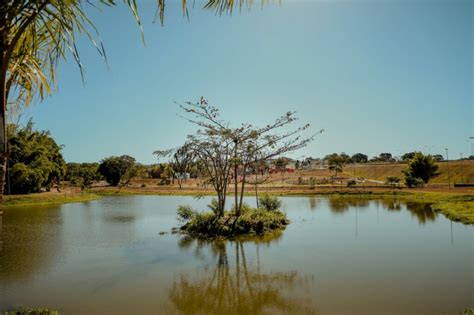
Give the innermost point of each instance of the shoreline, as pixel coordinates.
(456, 205)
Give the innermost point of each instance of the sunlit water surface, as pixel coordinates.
(336, 257)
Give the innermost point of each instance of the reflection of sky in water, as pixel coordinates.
(362, 256)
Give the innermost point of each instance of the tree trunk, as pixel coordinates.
(242, 190)
(3, 133)
(236, 190)
(256, 192)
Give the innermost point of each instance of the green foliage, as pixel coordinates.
(251, 221)
(118, 169)
(359, 158)
(413, 182)
(420, 167)
(351, 183)
(185, 213)
(82, 174)
(392, 181)
(214, 206)
(34, 159)
(269, 203)
(336, 162)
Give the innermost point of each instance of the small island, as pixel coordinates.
(251, 221)
(233, 157)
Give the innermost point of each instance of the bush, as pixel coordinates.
(214, 206)
(414, 182)
(392, 181)
(252, 221)
(269, 203)
(185, 213)
(351, 183)
(421, 166)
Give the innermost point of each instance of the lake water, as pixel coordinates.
(336, 257)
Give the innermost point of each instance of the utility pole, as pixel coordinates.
(472, 145)
(462, 169)
(447, 164)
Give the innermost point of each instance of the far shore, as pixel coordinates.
(455, 203)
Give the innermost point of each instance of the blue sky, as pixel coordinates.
(378, 76)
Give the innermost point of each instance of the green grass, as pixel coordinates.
(45, 199)
(252, 222)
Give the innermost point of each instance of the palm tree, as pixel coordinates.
(36, 34)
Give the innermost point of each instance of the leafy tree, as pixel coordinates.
(34, 158)
(421, 167)
(360, 158)
(386, 157)
(408, 156)
(82, 174)
(118, 169)
(336, 163)
(438, 157)
(345, 157)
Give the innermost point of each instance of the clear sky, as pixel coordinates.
(378, 76)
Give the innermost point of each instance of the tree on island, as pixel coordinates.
(227, 153)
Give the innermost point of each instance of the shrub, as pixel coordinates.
(351, 183)
(421, 166)
(392, 181)
(312, 183)
(414, 182)
(214, 206)
(269, 203)
(185, 213)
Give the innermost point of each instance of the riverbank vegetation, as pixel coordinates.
(46, 199)
(251, 221)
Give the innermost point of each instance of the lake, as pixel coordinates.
(336, 257)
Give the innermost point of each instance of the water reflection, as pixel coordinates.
(29, 238)
(235, 286)
(420, 210)
(341, 205)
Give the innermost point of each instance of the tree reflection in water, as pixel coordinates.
(341, 205)
(422, 211)
(235, 287)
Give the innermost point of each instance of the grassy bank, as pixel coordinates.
(45, 199)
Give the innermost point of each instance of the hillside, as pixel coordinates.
(380, 172)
